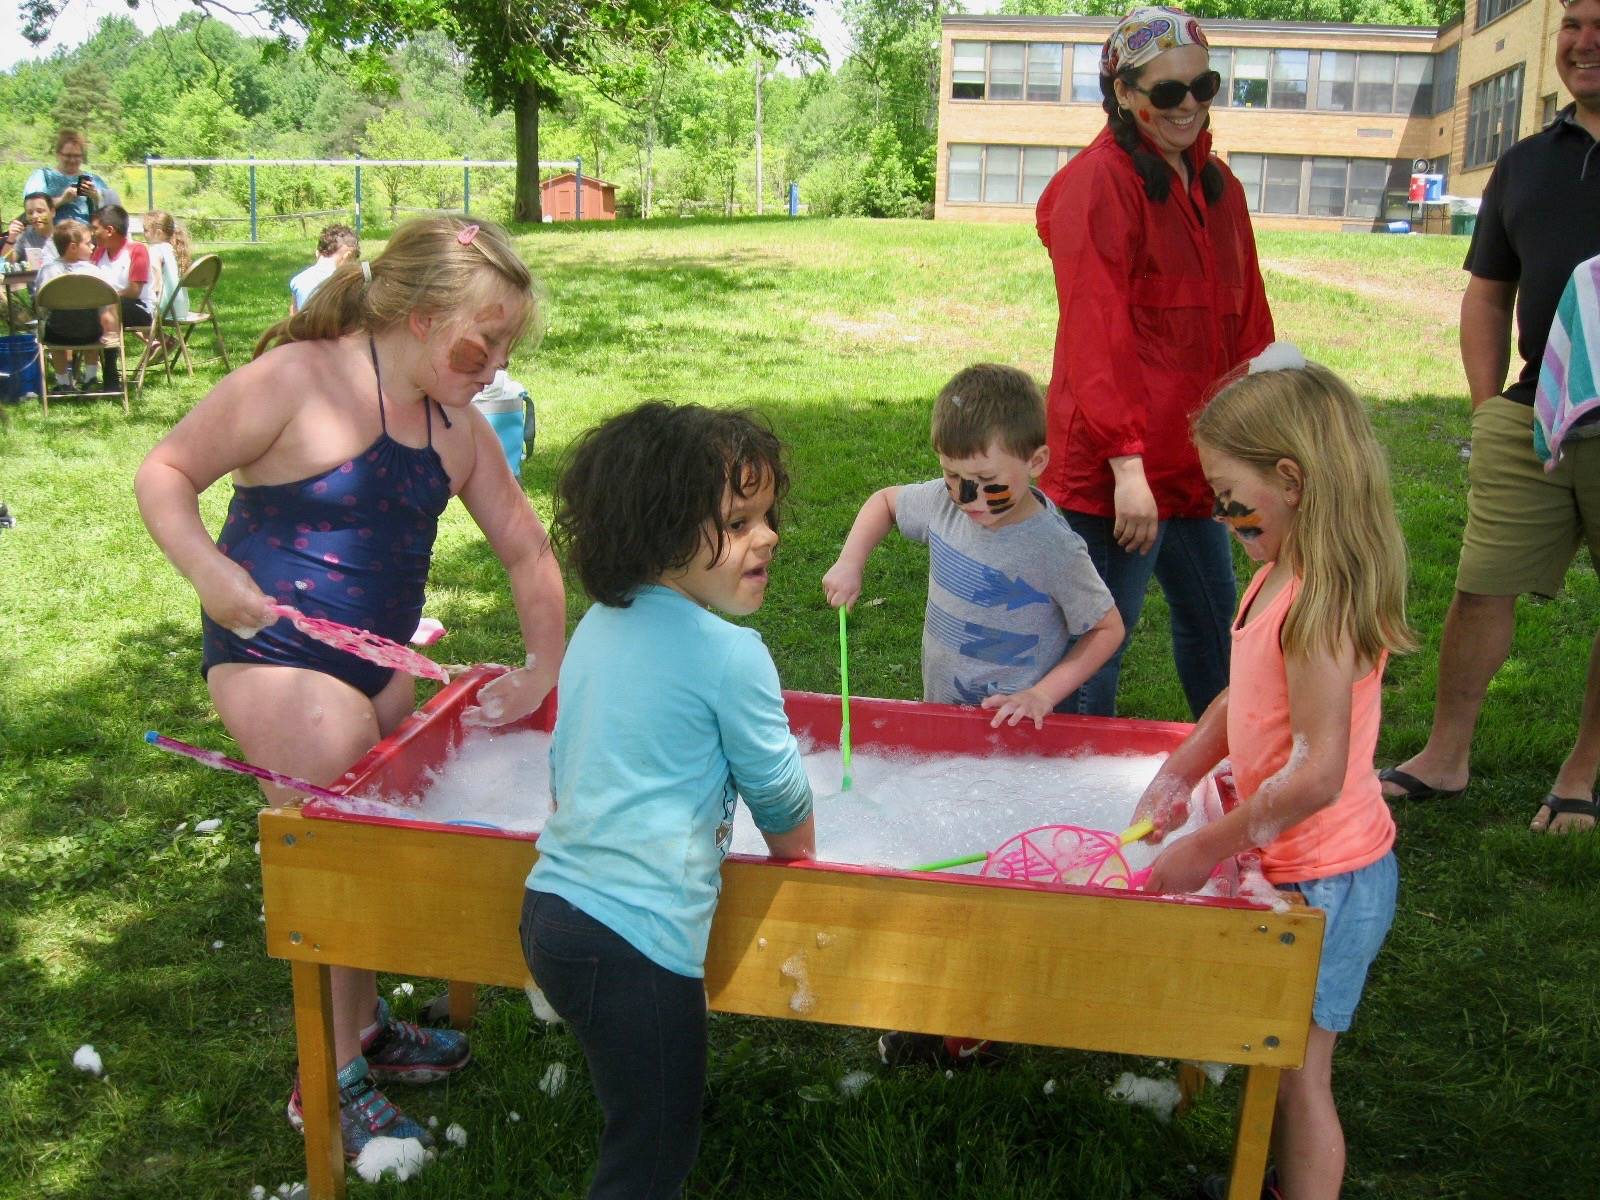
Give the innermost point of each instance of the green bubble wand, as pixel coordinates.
(844, 699)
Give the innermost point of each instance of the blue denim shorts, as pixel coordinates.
(1359, 908)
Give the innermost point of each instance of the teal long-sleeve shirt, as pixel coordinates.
(667, 715)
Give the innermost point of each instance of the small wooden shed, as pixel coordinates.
(559, 195)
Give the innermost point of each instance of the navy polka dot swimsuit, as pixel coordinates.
(352, 545)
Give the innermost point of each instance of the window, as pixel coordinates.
(1493, 107)
(1002, 174)
(1280, 185)
(1222, 64)
(1547, 109)
(1375, 83)
(1493, 10)
(1289, 71)
(1250, 78)
(1413, 85)
(1005, 70)
(1336, 81)
(1039, 164)
(966, 173)
(1444, 80)
(1086, 74)
(1044, 71)
(1328, 179)
(1246, 169)
(1368, 176)
(966, 70)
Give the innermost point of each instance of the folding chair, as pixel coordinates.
(70, 293)
(155, 337)
(201, 281)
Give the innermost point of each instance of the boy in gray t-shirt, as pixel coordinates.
(1017, 618)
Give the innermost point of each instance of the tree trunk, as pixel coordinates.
(650, 165)
(526, 110)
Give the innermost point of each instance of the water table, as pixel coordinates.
(1182, 978)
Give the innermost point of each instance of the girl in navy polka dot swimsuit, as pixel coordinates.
(346, 436)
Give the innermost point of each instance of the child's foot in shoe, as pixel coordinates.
(400, 1052)
(364, 1112)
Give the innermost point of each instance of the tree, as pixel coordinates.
(395, 133)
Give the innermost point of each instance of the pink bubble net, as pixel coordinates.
(364, 644)
(1067, 854)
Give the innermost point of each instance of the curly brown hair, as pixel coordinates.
(640, 494)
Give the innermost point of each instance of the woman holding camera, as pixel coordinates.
(1160, 296)
(75, 193)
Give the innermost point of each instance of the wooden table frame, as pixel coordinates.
(1216, 981)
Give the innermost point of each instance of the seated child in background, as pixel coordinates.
(336, 244)
(1303, 483)
(126, 267)
(28, 238)
(668, 715)
(1017, 618)
(168, 242)
(77, 327)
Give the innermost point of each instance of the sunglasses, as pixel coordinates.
(1169, 93)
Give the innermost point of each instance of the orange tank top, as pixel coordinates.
(1357, 828)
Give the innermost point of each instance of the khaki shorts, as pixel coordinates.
(1525, 524)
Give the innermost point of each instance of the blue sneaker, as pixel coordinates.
(364, 1112)
(400, 1052)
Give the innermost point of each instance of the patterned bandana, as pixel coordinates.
(1146, 33)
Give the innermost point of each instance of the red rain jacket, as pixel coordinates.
(1157, 302)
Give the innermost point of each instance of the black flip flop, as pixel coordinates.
(1561, 807)
(1413, 788)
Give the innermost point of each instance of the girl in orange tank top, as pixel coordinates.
(1301, 481)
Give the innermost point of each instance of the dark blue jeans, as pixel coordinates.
(643, 1033)
(1192, 560)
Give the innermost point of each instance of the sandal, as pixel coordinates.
(1562, 807)
(1412, 788)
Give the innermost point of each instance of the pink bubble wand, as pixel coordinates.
(221, 762)
(363, 643)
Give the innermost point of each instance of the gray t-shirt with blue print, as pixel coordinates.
(1003, 604)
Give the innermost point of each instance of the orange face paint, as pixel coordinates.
(468, 356)
(998, 497)
(1245, 522)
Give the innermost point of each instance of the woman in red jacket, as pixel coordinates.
(1160, 296)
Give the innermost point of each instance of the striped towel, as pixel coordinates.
(1568, 387)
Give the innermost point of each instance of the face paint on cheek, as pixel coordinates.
(1144, 115)
(468, 357)
(1244, 521)
(998, 497)
(962, 491)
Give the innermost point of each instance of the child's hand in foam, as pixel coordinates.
(1027, 704)
(1165, 804)
(842, 584)
(510, 697)
(1182, 867)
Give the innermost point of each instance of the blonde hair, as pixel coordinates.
(66, 233)
(172, 233)
(988, 403)
(432, 266)
(1345, 544)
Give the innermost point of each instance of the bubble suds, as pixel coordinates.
(824, 939)
(804, 999)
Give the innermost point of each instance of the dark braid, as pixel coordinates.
(1153, 170)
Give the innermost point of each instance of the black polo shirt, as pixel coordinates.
(1540, 218)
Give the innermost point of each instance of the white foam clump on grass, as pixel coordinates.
(541, 1007)
(1160, 1096)
(513, 1116)
(386, 1156)
(209, 825)
(555, 1078)
(292, 1191)
(87, 1059)
(404, 989)
(455, 1135)
(852, 1083)
(1049, 1087)
(258, 1193)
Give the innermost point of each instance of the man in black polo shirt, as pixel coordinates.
(1540, 218)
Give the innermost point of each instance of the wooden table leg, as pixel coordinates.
(319, 1080)
(463, 1004)
(1191, 1085)
(1253, 1136)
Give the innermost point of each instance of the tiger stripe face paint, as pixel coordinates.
(998, 497)
(1243, 520)
(993, 489)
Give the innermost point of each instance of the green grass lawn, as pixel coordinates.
(1474, 1066)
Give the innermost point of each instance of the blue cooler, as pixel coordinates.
(506, 404)
(19, 368)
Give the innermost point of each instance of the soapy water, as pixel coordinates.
(904, 809)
